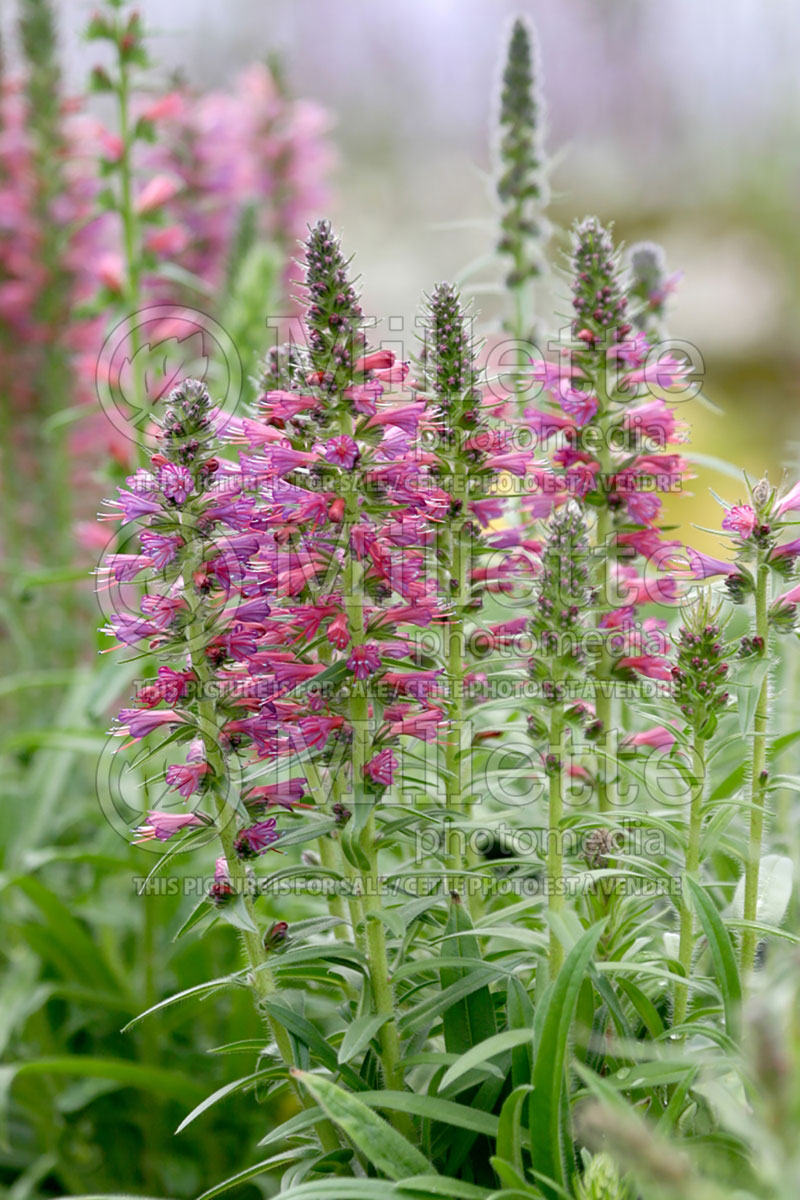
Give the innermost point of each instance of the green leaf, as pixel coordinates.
(199, 989)
(471, 1019)
(748, 694)
(433, 1108)
(484, 1050)
(359, 1035)
(723, 954)
(441, 1185)
(509, 1133)
(381, 1145)
(548, 1135)
(235, 1086)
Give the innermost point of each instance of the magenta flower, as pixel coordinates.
(790, 502)
(342, 452)
(364, 660)
(186, 777)
(141, 722)
(741, 519)
(790, 597)
(382, 767)
(787, 550)
(648, 665)
(162, 825)
(703, 566)
(658, 737)
(175, 482)
(256, 839)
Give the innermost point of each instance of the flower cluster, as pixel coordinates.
(700, 672)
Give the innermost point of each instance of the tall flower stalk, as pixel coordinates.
(699, 679)
(564, 597)
(197, 620)
(521, 189)
(612, 427)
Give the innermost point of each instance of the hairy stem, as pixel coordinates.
(686, 942)
(359, 720)
(758, 791)
(555, 855)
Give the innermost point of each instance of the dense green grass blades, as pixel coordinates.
(381, 1145)
(545, 1108)
(723, 954)
(471, 1019)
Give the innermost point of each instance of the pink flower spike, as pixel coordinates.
(740, 519)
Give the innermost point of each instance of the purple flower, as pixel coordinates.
(255, 839)
(162, 825)
(342, 451)
(139, 722)
(175, 482)
(382, 767)
(703, 566)
(161, 547)
(364, 660)
(185, 777)
(740, 519)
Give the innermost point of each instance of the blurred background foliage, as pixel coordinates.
(680, 122)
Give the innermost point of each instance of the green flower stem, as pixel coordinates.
(555, 854)
(359, 720)
(758, 790)
(686, 942)
(262, 980)
(455, 756)
(604, 699)
(131, 240)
